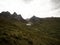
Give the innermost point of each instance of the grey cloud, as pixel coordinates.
(56, 4)
(27, 1)
(56, 1)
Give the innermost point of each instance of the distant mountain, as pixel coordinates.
(35, 19)
(7, 15)
(13, 16)
(17, 17)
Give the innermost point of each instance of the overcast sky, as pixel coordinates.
(28, 8)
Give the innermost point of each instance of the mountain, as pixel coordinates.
(17, 17)
(43, 31)
(34, 19)
(13, 16)
(5, 14)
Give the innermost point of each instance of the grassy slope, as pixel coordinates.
(17, 33)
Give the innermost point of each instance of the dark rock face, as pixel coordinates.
(13, 16)
(5, 14)
(16, 16)
(34, 19)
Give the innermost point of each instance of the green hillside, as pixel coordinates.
(45, 32)
(17, 33)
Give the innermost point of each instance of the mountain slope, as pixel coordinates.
(45, 32)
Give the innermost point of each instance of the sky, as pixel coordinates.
(28, 8)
